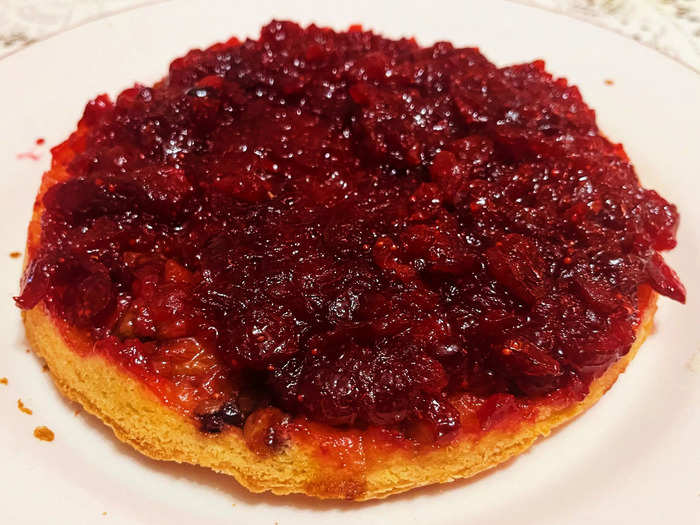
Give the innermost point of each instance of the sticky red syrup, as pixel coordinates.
(350, 229)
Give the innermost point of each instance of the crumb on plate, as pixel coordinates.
(43, 433)
(23, 408)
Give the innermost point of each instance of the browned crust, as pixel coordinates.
(140, 419)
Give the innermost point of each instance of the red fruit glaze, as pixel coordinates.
(352, 229)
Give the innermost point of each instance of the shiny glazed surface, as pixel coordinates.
(351, 229)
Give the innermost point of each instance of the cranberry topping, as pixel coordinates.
(352, 229)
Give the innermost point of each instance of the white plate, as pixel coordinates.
(633, 458)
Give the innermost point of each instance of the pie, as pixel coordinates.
(342, 265)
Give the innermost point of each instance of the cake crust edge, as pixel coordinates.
(137, 417)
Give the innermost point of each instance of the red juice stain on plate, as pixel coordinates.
(3, 380)
(15, 255)
(28, 155)
(40, 141)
